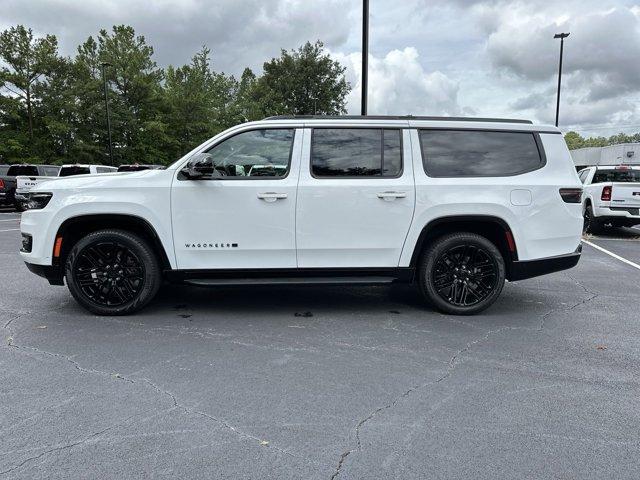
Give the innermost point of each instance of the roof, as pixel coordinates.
(397, 117)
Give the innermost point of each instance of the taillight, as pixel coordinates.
(571, 195)
(606, 193)
(1, 183)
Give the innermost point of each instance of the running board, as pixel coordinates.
(366, 280)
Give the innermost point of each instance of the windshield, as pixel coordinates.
(620, 176)
(75, 170)
(29, 170)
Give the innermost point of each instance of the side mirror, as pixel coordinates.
(200, 166)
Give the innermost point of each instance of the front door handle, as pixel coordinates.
(389, 196)
(271, 196)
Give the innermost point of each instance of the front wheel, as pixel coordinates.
(112, 272)
(462, 273)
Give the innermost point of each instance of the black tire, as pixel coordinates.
(591, 224)
(477, 261)
(112, 272)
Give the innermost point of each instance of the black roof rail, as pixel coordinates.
(396, 117)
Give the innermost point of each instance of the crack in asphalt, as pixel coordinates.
(592, 296)
(453, 362)
(62, 447)
(176, 404)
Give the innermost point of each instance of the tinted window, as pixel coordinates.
(29, 170)
(75, 170)
(621, 176)
(257, 153)
(133, 168)
(356, 152)
(457, 153)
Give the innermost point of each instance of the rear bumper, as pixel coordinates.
(617, 212)
(521, 270)
(52, 273)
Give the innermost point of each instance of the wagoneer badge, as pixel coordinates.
(211, 245)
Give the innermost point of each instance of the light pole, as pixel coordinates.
(365, 55)
(106, 108)
(561, 36)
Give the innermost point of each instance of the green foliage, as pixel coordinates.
(575, 140)
(52, 108)
(301, 82)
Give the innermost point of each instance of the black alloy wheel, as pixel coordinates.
(591, 224)
(108, 273)
(112, 272)
(462, 273)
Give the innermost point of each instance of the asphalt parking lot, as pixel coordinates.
(325, 382)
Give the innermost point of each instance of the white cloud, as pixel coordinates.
(399, 85)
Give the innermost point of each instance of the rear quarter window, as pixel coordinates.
(468, 153)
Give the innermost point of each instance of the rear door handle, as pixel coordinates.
(271, 196)
(389, 196)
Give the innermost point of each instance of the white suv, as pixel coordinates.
(454, 205)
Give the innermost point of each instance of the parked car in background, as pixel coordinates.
(25, 183)
(611, 196)
(8, 180)
(137, 168)
(455, 206)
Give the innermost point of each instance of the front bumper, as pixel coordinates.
(521, 270)
(53, 273)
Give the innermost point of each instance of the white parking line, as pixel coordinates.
(11, 220)
(617, 257)
(17, 229)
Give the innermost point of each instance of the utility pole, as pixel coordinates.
(365, 55)
(106, 108)
(561, 36)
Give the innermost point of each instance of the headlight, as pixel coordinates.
(37, 200)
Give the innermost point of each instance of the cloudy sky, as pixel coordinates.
(428, 57)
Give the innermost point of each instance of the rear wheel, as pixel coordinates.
(591, 224)
(462, 273)
(112, 272)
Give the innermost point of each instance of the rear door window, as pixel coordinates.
(469, 153)
(356, 152)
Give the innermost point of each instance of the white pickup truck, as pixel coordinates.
(24, 183)
(611, 196)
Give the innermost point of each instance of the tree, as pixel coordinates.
(27, 61)
(134, 80)
(575, 140)
(199, 102)
(302, 82)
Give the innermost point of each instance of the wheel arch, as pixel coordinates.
(74, 228)
(494, 229)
